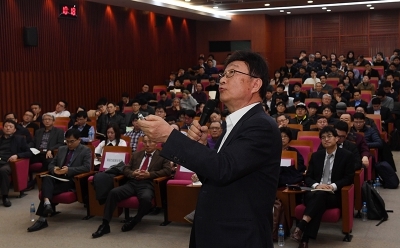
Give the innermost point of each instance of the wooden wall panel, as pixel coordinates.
(326, 45)
(298, 26)
(347, 26)
(358, 44)
(106, 51)
(325, 27)
(294, 45)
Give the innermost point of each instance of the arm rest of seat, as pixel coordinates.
(160, 190)
(347, 208)
(39, 179)
(19, 172)
(81, 185)
(358, 180)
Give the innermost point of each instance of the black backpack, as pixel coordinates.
(375, 203)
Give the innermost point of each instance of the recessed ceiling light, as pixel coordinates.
(372, 8)
(369, 5)
(187, 0)
(323, 7)
(215, 7)
(328, 10)
(310, 1)
(288, 13)
(267, 4)
(281, 11)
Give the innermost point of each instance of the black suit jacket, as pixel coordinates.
(386, 116)
(363, 104)
(56, 139)
(239, 182)
(18, 147)
(351, 147)
(342, 170)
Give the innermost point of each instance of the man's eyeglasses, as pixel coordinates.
(326, 137)
(230, 73)
(70, 141)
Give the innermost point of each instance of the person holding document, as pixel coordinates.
(240, 175)
(329, 169)
(71, 160)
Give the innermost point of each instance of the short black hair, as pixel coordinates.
(65, 103)
(163, 92)
(286, 131)
(11, 113)
(190, 112)
(342, 126)
(256, 64)
(328, 129)
(82, 114)
(281, 86)
(36, 103)
(73, 132)
(10, 121)
(161, 107)
(386, 84)
(376, 100)
(313, 105)
(359, 116)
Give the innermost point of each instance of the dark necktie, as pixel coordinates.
(327, 169)
(68, 158)
(146, 162)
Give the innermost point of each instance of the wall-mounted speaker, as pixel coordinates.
(30, 36)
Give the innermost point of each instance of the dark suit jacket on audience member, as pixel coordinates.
(363, 104)
(351, 147)
(104, 120)
(18, 147)
(385, 116)
(158, 167)
(239, 182)
(56, 138)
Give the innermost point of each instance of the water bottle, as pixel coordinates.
(32, 212)
(364, 212)
(376, 188)
(281, 236)
(378, 183)
(91, 135)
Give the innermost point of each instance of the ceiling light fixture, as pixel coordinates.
(281, 11)
(215, 7)
(328, 10)
(288, 13)
(310, 1)
(187, 0)
(323, 7)
(369, 5)
(372, 8)
(267, 4)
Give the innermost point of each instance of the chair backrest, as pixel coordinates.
(290, 155)
(291, 115)
(308, 143)
(377, 119)
(296, 126)
(366, 95)
(295, 80)
(380, 69)
(140, 146)
(127, 139)
(113, 155)
(332, 82)
(127, 109)
(62, 127)
(307, 86)
(31, 131)
(351, 110)
(315, 139)
(361, 69)
(62, 119)
(205, 83)
(91, 147)
(317, 100)
(181, 173)
(158, 88)
(305, 152)
(374, 81)
(186, 82)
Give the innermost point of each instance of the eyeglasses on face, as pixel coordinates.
(70, 141)
(326, 137)
(231, 73)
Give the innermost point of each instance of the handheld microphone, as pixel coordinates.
(207, 111)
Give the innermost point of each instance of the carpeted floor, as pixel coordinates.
(68, 230)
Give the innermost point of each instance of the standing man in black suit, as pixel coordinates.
(240, 175)
(12, 147)
(329, 169)
(71, 160)
(46, 140)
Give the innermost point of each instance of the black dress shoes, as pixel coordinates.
(38, 226)
(103, 229)
(6, 202)
(129, 225)
(48, 210)
(296, 235)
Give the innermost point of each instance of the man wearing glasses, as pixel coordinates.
(71, 159)
(61, 109)
(240, 175)
(329, 169)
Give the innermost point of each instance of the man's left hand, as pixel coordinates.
(143, 175)
(156, 128)
(13, 158)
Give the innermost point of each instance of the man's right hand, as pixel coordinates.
(198, 133)
(49, 155)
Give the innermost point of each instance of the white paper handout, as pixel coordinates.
(35, 151)
(183, 169)
(286, 162)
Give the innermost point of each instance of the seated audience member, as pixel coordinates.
(317, 92)
(342, 130)
(326, 101)
(143, 167)
(83, 127)
(111, 117)
(135, 134)
(289, 69)
(201, 74)
(71, 160)
(21, 131)
(213, 87)
(199, 94)
(380, 61)
(144, 107)
(335, 73)
(353, 80)
(215, 132)
(302, 73)
(292, 109)
(125, 102)
(384, 112)
(371, 135)
(339, 172)
(175, 126)
(321, 122)
(389, 92)
(200, 108)
(327, 111)
(46, 140)
(283, 120)
(164, 101)
(36, 109)
(356, 72)
(61, 109)
(345, 92)
(161, 111)
(341, 108)
(188, 102)
(266, 108)
(280, 109)
(72, 117)
(12, 147)
(173, 111)
(324, 70)
(366, 85)
(337, 97)
(370, 72)
(268, 98)
(182, 75)
(368, 121)
(356, 138)
(301, 117)
(394, 84)
(178, 87)
(286, 134)
(385, 101)
(145, 94)
(313, 79)
(297, 92)
(216, 116)
(113, 138)
(357, 100)
(210, 69)
(285, 82)
(189, 116)
(101, 109)
(171, 80)
(135, 112)
(312, 109)
(27, 121)
(192, 86)
(361, 61)
(327, 88)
